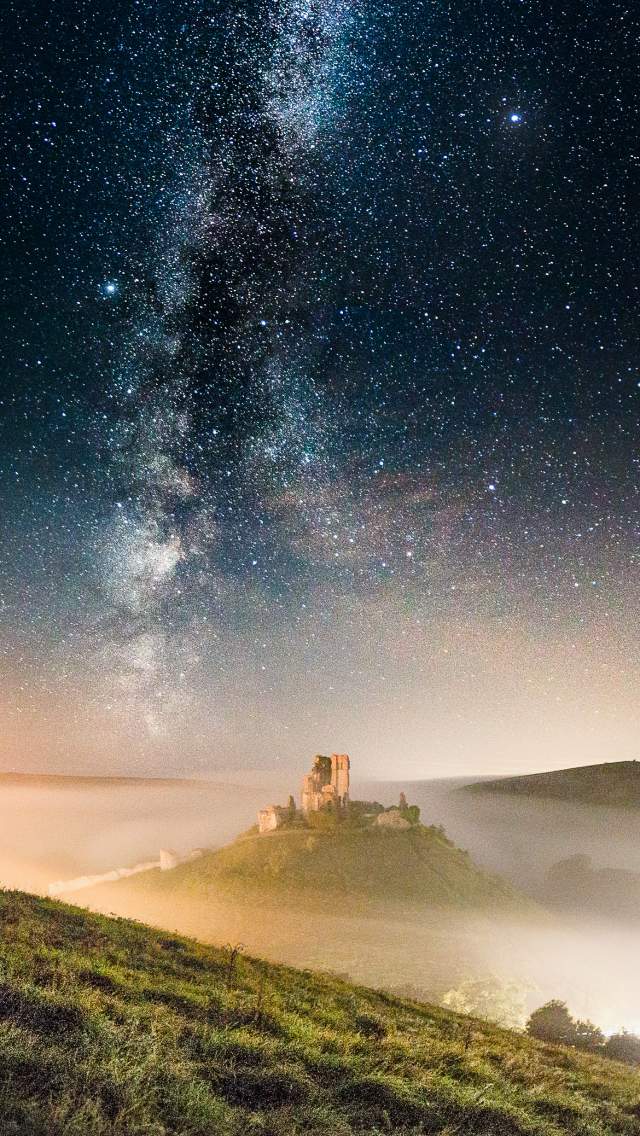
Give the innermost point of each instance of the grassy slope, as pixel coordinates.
(610, 783)
(417, 866)
(108, 1027)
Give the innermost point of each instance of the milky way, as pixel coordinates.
(219, 409)
(321, 389)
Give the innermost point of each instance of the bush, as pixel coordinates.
(553, 1022)
(370, 1025)
(588, 1036)
(324, 820)
(623, 1046)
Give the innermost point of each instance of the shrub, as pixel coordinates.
(623, 1046)
(553, 1022)
(588, 1036)
(370, 1025)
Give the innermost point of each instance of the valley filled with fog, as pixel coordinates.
(521, 838)
(57, 828)
(60, 829)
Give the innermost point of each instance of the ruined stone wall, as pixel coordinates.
(340, 765)
(270, 818)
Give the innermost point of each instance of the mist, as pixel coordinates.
(591, 964)
(521, 838)
(59, 829)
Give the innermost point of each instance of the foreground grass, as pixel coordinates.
(109, 1027)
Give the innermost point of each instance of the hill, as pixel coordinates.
(86, 781)
(613, 783)
(576, 884)
(417, 866)
(108, 1027)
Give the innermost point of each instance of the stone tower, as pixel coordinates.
(340, 777)
(327, 783)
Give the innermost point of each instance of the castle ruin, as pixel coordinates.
(325, 803)
(326, 785)
(271, 817)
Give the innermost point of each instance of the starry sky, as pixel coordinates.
(320, 386)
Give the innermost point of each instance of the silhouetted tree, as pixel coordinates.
(552, 1022)
(623, 1046)
(588, 1036)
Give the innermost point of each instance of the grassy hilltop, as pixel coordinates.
(384, 906)
(108, 1028)
(371, 866)
(611, 783)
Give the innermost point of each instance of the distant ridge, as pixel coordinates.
(86, 780)
(609, 783)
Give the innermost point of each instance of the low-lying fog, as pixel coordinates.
(517, 837)
(60, 828)
(592, 965)
(50, 831)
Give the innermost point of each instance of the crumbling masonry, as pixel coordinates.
(327, 784)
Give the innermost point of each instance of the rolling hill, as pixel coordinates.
(360, 867)
(86, 781)
(108, 1028)
(612, 783)
(576, 884)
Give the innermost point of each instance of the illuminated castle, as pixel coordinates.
(327, 784)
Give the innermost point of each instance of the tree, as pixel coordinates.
(573, 870)
(571, 878)
(489, 998)
(623, 1046)
(552, 1022)
(407, 811)
(588, 1036)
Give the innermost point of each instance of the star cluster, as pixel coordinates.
(322, 384)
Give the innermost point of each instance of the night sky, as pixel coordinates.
(320, 386)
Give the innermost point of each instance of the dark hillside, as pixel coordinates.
(611, 783)
(108, 1028)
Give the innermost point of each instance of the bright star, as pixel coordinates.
(515, 118)
(109, 288)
